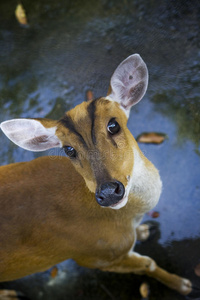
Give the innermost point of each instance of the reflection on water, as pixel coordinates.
(182, 104)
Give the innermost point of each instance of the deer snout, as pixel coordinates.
(110, 193)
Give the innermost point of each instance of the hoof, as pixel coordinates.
(186, 287)
(143, 232)
(11, 295)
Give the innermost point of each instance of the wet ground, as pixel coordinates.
(71, 46)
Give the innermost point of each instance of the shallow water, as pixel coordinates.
(46, 68)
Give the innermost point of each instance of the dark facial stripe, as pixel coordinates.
(113, 142)
(68, 123)
(101, 174)
(91, 111)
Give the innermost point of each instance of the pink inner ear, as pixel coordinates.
(42, 143)
(39, 139)
(135, 94)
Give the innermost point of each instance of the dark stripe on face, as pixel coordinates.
(91, 111)
(113, 142)
(101, 174)
(67, 122)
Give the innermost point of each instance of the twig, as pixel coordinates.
(107, 291)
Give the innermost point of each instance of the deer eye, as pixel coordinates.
(113, 127)
(70, 151)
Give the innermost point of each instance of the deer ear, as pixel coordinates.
(129, 82)
(30, 134)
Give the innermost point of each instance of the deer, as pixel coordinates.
(86, 205)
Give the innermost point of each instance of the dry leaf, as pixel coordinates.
(151, 138)
(89, 95)
(153, 214)
(54, 272)
(144, 290)
(21, 15)
(197, 270)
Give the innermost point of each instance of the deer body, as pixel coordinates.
(74, 226)
(48, 210)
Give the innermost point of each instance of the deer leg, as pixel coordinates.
(135, 263)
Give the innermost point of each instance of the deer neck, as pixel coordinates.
(145, 184)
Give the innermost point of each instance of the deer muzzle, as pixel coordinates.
(109, 193)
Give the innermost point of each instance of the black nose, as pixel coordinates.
(110, 193)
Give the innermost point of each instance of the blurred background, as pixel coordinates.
(69, 47)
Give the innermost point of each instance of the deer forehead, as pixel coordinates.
(87, 122)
